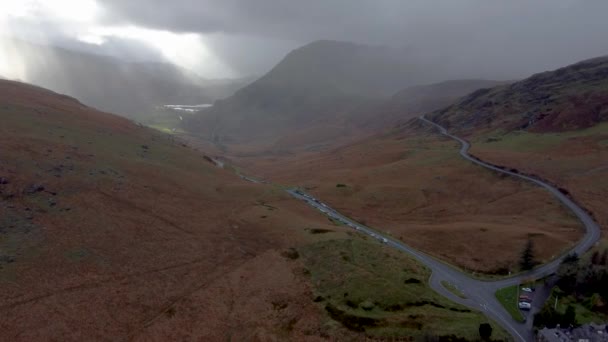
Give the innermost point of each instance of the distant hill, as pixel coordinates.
(568, 98)
(419, 99)
(112, 85)
(318, 82)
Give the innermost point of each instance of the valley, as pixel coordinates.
(393, 172)
(156, 238)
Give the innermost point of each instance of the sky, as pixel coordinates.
(239, 38)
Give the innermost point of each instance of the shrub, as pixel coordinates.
(291, 253)
(485, 331)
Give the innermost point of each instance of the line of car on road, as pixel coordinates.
(324, 208)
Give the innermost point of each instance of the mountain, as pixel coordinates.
(130, 89)
(317, 83)
(419, 99)
(569, 98)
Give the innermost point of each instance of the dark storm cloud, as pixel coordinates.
(496, 38)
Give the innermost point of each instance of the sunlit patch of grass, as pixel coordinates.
(369, 288)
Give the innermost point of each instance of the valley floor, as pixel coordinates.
(413, 184)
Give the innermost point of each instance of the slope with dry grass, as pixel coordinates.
(553, 124)
(112, 231)
(412, 183)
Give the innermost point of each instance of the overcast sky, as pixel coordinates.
(232, 38)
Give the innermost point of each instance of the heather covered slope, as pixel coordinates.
(569, 98)
(113, 231)
(117, 232)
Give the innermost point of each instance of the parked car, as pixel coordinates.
(527, 289)
(525, 306)
(525, 299)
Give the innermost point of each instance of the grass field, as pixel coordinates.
(369, 288)
(508, 297)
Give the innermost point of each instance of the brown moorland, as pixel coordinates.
(413, 184)
(553, 124)
(577, 161)
(112, 231)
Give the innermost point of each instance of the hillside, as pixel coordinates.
(569, 98)
(113, 231)
(112, 85)
(553, 124)
(419, 99)
(411, 183)
(316, 84)
(97, 212)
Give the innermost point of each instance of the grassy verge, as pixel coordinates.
(383, 293)
(453, 289)
(508, 298)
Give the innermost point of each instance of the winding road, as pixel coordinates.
(479, 293)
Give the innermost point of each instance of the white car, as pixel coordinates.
(526, 289)
(525, 306)
(384, 240)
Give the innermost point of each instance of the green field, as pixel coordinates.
(369, 288)
(508, 297)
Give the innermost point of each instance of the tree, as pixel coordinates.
(569, 317)
(604, 259)
(595, 258)
(485, 331)
(547, 317)
(527, 261)
(568, 273)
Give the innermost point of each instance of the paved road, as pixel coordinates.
(479, 294)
